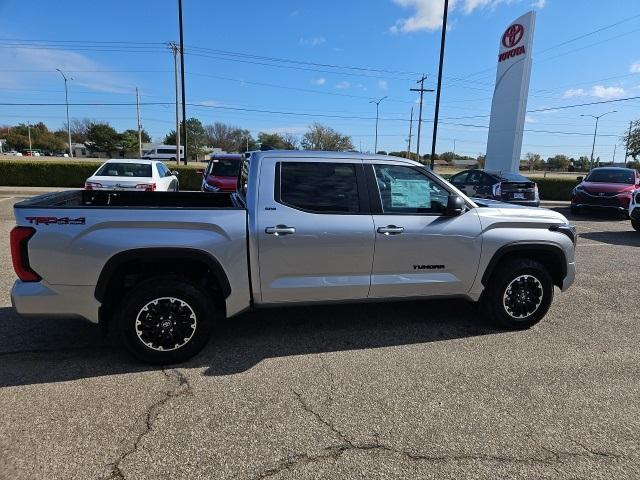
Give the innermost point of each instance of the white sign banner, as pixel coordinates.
(509, 105)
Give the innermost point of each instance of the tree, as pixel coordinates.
(448, 157)
(229, 137)
(196, 137)
(321, 137)
(534, 161)
(79, 129)
(102, 137)
(277, 141)
(558, 162)
(632, 140)
(129, 140)
(582, 163)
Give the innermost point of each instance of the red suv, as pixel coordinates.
(605, 188)
(221, 174)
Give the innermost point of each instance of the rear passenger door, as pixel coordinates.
(315, 231)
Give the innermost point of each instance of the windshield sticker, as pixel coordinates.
(410, 193)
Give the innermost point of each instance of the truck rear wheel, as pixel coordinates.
(635, 223)
(165, 319)
(519, 294)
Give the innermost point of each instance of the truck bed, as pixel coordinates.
(122, 199)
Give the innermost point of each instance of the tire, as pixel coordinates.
(177, 189)
(153, 299)
(576, 210)
(519, 276)
(635, 224)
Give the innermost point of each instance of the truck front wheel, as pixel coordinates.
(635, 223)
(519, 294)
(165, 319)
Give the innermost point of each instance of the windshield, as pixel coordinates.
(224, 168)
(611, 176)
(513, 177)
(114, 169)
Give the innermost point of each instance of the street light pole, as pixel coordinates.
(377, 102)
(595, 133)
(66, 101)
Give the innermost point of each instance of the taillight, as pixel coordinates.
(147, 187)
(92, 185)
(497, 190)
(20, 255)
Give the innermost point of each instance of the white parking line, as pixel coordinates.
(2, 199)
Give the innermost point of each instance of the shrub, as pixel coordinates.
(71, 174)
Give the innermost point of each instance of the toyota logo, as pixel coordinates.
(512, 35)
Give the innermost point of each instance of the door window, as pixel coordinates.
(405, 190)
(319, 187)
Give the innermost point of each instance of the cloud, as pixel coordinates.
(312, 42)
(635, 67)
(601, 91)
(597, 91)
(574, 92)
(428, 13)
(539, 4)
(84, 71)
(319, 81)
(343, 85)
(383, 84)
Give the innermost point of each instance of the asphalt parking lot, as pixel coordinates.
(397, 390)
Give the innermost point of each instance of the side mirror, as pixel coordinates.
(200, 171)
(579, 179)
(455, 206)
(176, 173)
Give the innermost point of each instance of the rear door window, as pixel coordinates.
(320, 187)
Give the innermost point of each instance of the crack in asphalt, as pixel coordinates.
(336, 451)
(182, 388)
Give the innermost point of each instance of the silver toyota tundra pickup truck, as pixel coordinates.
(303, 227)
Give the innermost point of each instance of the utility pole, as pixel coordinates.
(454, 148)
(174, 49)
(410, 128)
(29, 131)
(421, 90)
(184, 101)
(595, 133)
(613, 163)
(377, 102)
(437, 112)
(139, 124)
(626, 147)
(66, 101)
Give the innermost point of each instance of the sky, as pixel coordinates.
(279, 66)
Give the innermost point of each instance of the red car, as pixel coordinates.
(605, 188)
(221, 174)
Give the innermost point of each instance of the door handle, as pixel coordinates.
(280, 230)
(390, 230)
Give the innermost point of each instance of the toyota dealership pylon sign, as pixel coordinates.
(509, 104)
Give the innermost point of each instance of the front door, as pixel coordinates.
(419, 251)
(315, 233)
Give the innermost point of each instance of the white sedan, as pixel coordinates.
(135, 174)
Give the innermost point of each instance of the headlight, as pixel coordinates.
(210, 188)
(566, 229)
(497, 190)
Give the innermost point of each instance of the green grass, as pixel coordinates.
(72, 174)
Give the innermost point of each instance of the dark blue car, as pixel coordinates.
(501, 186)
